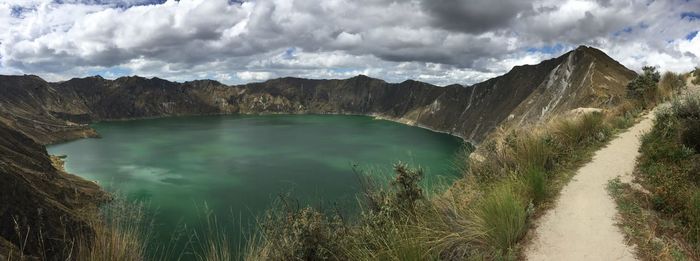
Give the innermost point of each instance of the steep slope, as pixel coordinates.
(43, 209)
(586, 77)
(32, 106)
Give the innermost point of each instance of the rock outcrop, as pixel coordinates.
(32, 112)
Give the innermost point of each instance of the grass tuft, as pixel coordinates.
(503, 215)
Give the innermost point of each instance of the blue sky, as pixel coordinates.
(441, 42)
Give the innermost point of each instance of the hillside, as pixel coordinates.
(37, 112)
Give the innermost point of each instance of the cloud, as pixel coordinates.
(439, 41)
(474, 16)
(254, 76)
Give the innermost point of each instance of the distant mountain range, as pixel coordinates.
(585, 77)
(34, 194)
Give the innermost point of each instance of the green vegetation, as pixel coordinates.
(671, 83)
(663, 217)
(696, 73)
(643, 87)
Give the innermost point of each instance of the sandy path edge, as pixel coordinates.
(582, 225)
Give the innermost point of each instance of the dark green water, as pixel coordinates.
(237, 165)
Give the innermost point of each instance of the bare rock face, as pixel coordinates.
(33, 112)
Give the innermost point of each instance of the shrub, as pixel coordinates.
(406, 186)
(644, 86)
(687, 109)
(671, 82)
(691, 134)
(289, 233)
(668, 168)
(402, 195)
(696, 74)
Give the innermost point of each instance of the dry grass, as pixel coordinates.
(123, 234)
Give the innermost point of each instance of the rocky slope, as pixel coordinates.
(43, 210)
(34, 112)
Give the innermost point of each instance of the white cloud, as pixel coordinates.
(254, 76)
(393, 40)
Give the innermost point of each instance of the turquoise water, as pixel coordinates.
(237, 165)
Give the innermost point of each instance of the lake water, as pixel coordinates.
(237, 165)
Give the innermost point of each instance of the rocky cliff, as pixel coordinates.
(32, 112)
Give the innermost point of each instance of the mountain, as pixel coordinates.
(585, 77)
(35, 112)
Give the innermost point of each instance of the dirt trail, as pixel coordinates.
(582, 224)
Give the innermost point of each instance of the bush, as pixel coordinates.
(402, 195)
(691, 134)
(687, 111)
(299, 234)
(671, 83)
(644, 86)
(668, 168)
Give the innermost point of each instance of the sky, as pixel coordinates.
(238, 41)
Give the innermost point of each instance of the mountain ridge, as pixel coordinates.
(469, 112)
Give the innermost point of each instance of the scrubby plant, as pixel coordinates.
(671, 83)
(691, 134)
(667, 168)
(402, 194)
(291, 233)
(644, 86)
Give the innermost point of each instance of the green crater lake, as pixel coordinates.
(238, 165)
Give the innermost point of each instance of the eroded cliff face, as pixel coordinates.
(34, 112)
